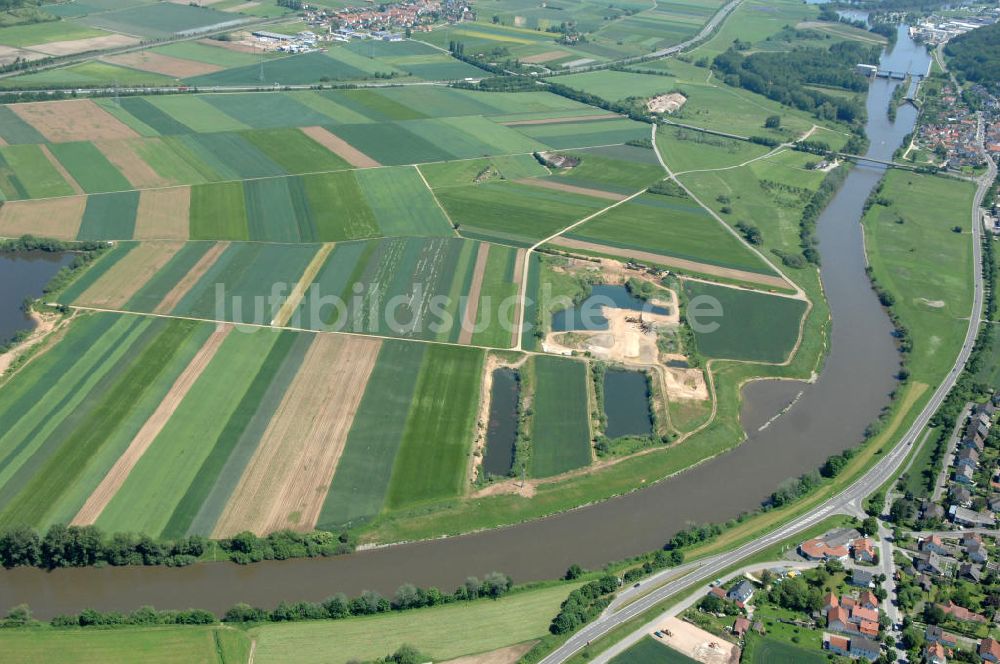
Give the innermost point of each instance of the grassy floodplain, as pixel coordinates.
(152, 645)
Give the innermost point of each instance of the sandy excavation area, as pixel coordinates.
(696, 643)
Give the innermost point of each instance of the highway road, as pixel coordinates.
(848, 501)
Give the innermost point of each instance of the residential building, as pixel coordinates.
(838, 645)
(966, 517)
(741, 592)
(935, 653)
(862, 578)
(935, 634)
(989, 650)
(866, 648)
(970, 572)
(864, 550)
(961, 613)
(934, 544)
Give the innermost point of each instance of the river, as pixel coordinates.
(829, 416)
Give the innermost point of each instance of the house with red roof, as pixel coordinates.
(961, 613)
(935, 653)
(864, 551)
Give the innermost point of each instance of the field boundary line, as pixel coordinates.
(773, 153)
(302, 285)
(56, 164)
(427, 184)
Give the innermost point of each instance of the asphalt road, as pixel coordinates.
(848, 501)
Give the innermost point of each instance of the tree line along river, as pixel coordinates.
(830, 416)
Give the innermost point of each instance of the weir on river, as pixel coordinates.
(830, 416)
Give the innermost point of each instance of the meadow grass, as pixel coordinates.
(752, 326)
(671, 225)
(650, 651)
(561, 421)
(89, 167)
(35, 172)
(915, 254)
(218, 212)
(442, 632)
(434, 453)
(158, 482)
(150, 645)
(109, 216)
(365, 468)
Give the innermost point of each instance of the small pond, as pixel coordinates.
(626, 404)
(502, 429)
(24, 275)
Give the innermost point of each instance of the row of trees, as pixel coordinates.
(493, 586)
(82, 546)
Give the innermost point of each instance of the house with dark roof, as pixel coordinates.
(964, 475)
(862, 578)
(967, 457)
(960, 496)
(866, 648)
(970, 572)
(930, 563)
(967, 517)
(741, 592)
(935, 634)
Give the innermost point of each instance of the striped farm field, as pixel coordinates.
(27, 172)
(117, 286)
(285, 482)
(434, 453)
(362, 478)
(561, 422)
(68, 416)
(89, 167)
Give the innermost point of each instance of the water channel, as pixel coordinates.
(829, 416)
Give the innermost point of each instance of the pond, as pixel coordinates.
(501, 432)
(24, 275)
(587, 314)
(626, 404)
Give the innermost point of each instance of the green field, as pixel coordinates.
(673, 226)
(768, 651)
(441, 632)
(145, 645)
(916, 254)
(29, 174)
(89, 167)
(649, 651)
(159, 20)
(752, 326)
(109, 216)
(514, 214)
(434, 452)
(561, 423)
(363, 474)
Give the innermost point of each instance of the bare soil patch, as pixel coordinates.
(74, 46)
(508, 655)
(116, 286)
(472, 306)
(547, 56)
(163, 214)
(72, 120)
(239, 8)
(683, 383)
(239, 47)
(45, 324)
(57, 218)
(574, 118)
(696, 643)
(340, 147)
(158, 63)
(300, 289)
(116, 477)
(123, 155)
(287, 479)
(670, 261)
(548, 183)
(8, 54)
(77, 189)
(190, 279)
